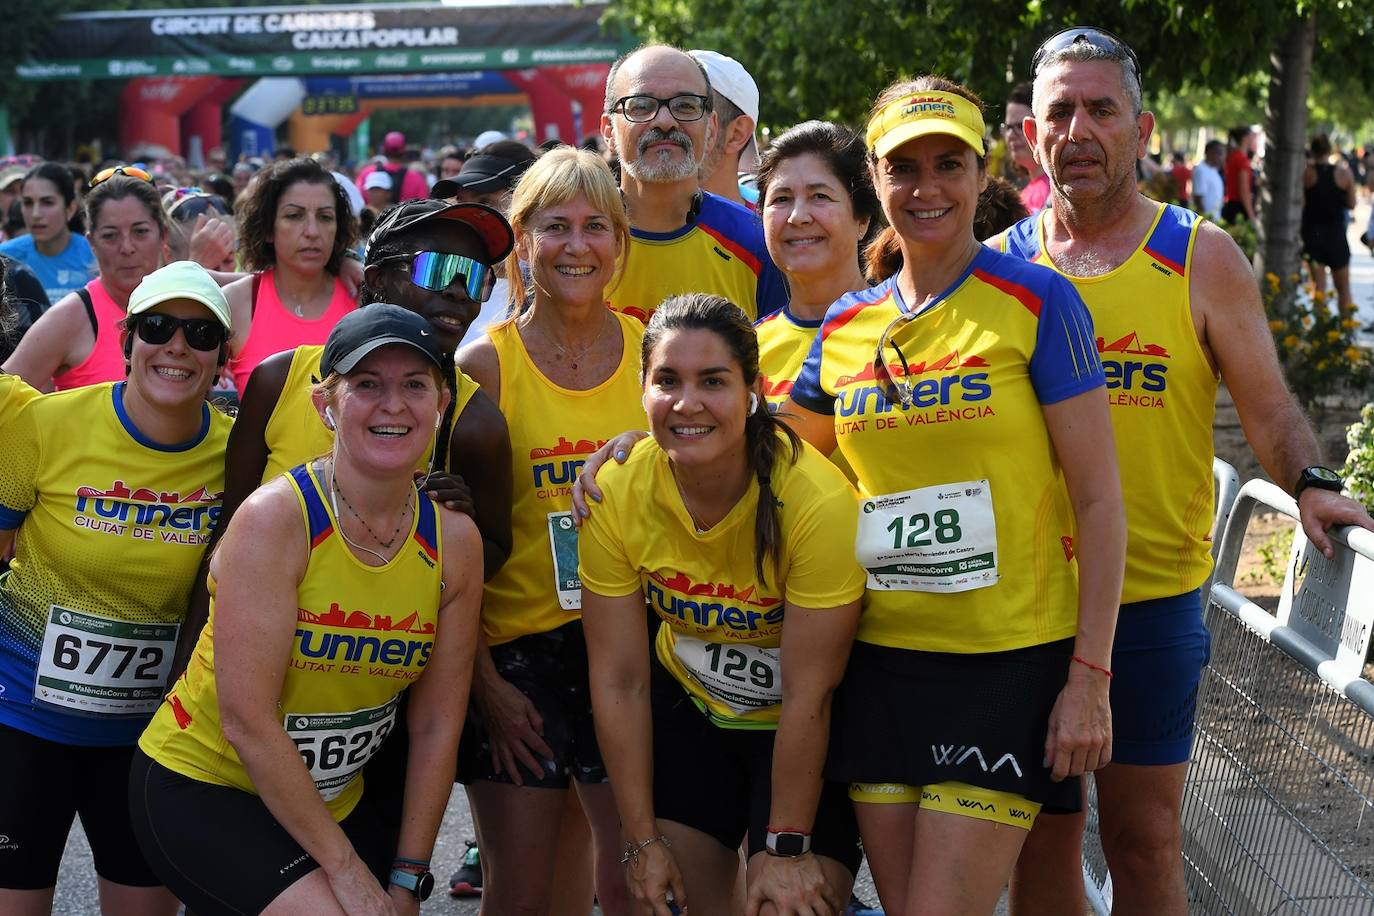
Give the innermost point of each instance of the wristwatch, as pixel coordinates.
(421, 884)
(1319, 477)
(787, 844)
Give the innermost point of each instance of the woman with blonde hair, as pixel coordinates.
(563, 372)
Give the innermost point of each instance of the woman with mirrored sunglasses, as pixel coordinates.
(563, 373)
(295, 224)
(108, 493)
(76, 342)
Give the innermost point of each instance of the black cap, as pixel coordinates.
(483, 174)
(365, 329)
(491, 227)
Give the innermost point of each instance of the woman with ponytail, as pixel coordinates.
(728, 525)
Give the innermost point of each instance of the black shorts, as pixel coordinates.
(45, 785)
(1326, 244)
(230, 857)
(904, 716)
(720, 780)
(551, 669)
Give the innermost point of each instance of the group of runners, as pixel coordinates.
(912, 543)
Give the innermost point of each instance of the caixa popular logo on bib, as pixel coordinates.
(149, 514)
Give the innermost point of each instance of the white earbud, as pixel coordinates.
(329, 418)
(753, 403)
(438, 418)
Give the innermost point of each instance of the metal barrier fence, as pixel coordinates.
(1278, 812)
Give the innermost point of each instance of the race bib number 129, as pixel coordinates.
(933, 539)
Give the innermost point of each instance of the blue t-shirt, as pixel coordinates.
(61, 273)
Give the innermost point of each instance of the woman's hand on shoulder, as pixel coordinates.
(448, 490)
(585, 488)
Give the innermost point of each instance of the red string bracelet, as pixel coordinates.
(1087, 664)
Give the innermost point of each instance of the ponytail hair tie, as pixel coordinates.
(765, 480)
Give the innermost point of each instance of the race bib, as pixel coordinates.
(563, 543)
(935, 539)
(98, 666)
(335, 746)
(744, 678)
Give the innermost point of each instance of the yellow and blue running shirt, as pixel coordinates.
(720, 251)
(962, 496)
(1163, 396)
(722, 626)
(112, 528)
(295, 434)
(552, 431)
(363, 634)
(784, 341)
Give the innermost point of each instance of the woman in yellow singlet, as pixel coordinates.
(563, 373)
(338, 587)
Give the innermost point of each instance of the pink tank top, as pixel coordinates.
(106, 360)
(275, 329)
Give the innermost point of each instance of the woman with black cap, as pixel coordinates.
(338, 588)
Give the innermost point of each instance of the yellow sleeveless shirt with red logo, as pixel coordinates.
(552, 431)
(1163, 396)
(363, 634)
(965, 524)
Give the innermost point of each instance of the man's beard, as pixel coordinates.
(661, 168)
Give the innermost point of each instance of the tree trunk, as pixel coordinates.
(1290, 70)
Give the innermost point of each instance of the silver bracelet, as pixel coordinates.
(633, 850)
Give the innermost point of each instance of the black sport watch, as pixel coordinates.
(787, 844)
(1319, 477)
(421, 884)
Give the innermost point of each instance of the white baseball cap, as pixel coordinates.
(487, 138)
(730, 79)
(377, 179)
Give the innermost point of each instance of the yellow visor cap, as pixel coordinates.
(921, 114)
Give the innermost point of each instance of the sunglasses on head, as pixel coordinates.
(190, 206)
(436, 271)
(130, 170)
(201, 333)
(1098, 38)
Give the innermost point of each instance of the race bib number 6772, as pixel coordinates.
(933, 539)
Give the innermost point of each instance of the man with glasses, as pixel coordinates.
(659, 121)
(1176, 308)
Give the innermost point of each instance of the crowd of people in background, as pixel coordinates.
(867, 586)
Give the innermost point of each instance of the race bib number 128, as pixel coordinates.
(934, 539)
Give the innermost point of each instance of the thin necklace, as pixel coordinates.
(573, 358)
(386, 545)
(696, 523)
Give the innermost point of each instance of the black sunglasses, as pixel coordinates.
(1098, 38)
(201, 333)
